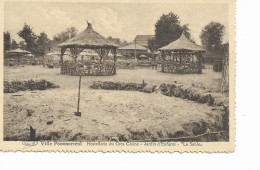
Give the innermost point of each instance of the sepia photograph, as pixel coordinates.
(129, 84)
(116, 72)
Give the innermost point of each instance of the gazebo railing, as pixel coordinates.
(88, 69)
(184, 68)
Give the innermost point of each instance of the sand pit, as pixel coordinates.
(126, 115)
(105, 114)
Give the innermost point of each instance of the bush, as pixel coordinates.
(15, 86)
(109, 85)
(177, 90)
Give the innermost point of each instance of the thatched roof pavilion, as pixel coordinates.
(18, 53)
(182, 56)
(90, 39)
(182, 44)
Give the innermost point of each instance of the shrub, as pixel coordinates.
(15, 86)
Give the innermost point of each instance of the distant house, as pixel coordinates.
(143, 39)
(52, 47)
(52, 54)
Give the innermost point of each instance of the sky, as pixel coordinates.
(119, 20)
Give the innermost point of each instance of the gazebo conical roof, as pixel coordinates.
(89, 38)
(182, 44)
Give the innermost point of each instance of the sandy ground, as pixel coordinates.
(208, 79)
(125, 114)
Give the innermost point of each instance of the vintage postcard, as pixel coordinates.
(114, 76)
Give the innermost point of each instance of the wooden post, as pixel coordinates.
(78, 113)
(181, 55)
(32, 133)
(114, 50)
(200, 62)
(18, 59)
(225, 74)
(163, 61)
(43, 64)
(79, 93)
(135, 49)
(62, 53)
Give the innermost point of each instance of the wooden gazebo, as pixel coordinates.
(89, 39)
(181, 56)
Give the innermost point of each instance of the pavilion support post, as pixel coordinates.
(74, 53)
(100, 56)
(114, 52)
(18, 59)
(200, 63)
(61, 60)
(61, 55)
(181, 55)
(163, 61)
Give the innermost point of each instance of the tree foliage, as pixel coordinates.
(167, 30)
(29, 37)
(118, 41)
(22, 45)
(42, 43)
(14, 45)
(212, 36)
(32, 42)
(7, 41)
(65, 35)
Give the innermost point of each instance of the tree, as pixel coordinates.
(124, 43)
(167, 30)
(152, 44)
(118, 41)
(7, 41)
(212, 35)
(42, 42)
(22, 45)
(115, 40)
(65, 35)
(186, 32)
(29, 37)
(14, 45)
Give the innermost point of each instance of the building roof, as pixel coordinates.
(143, 39)
(89, 38)
(53, 45)
(182, 44)
(58, 53)
(133, 47)
(18, 50)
